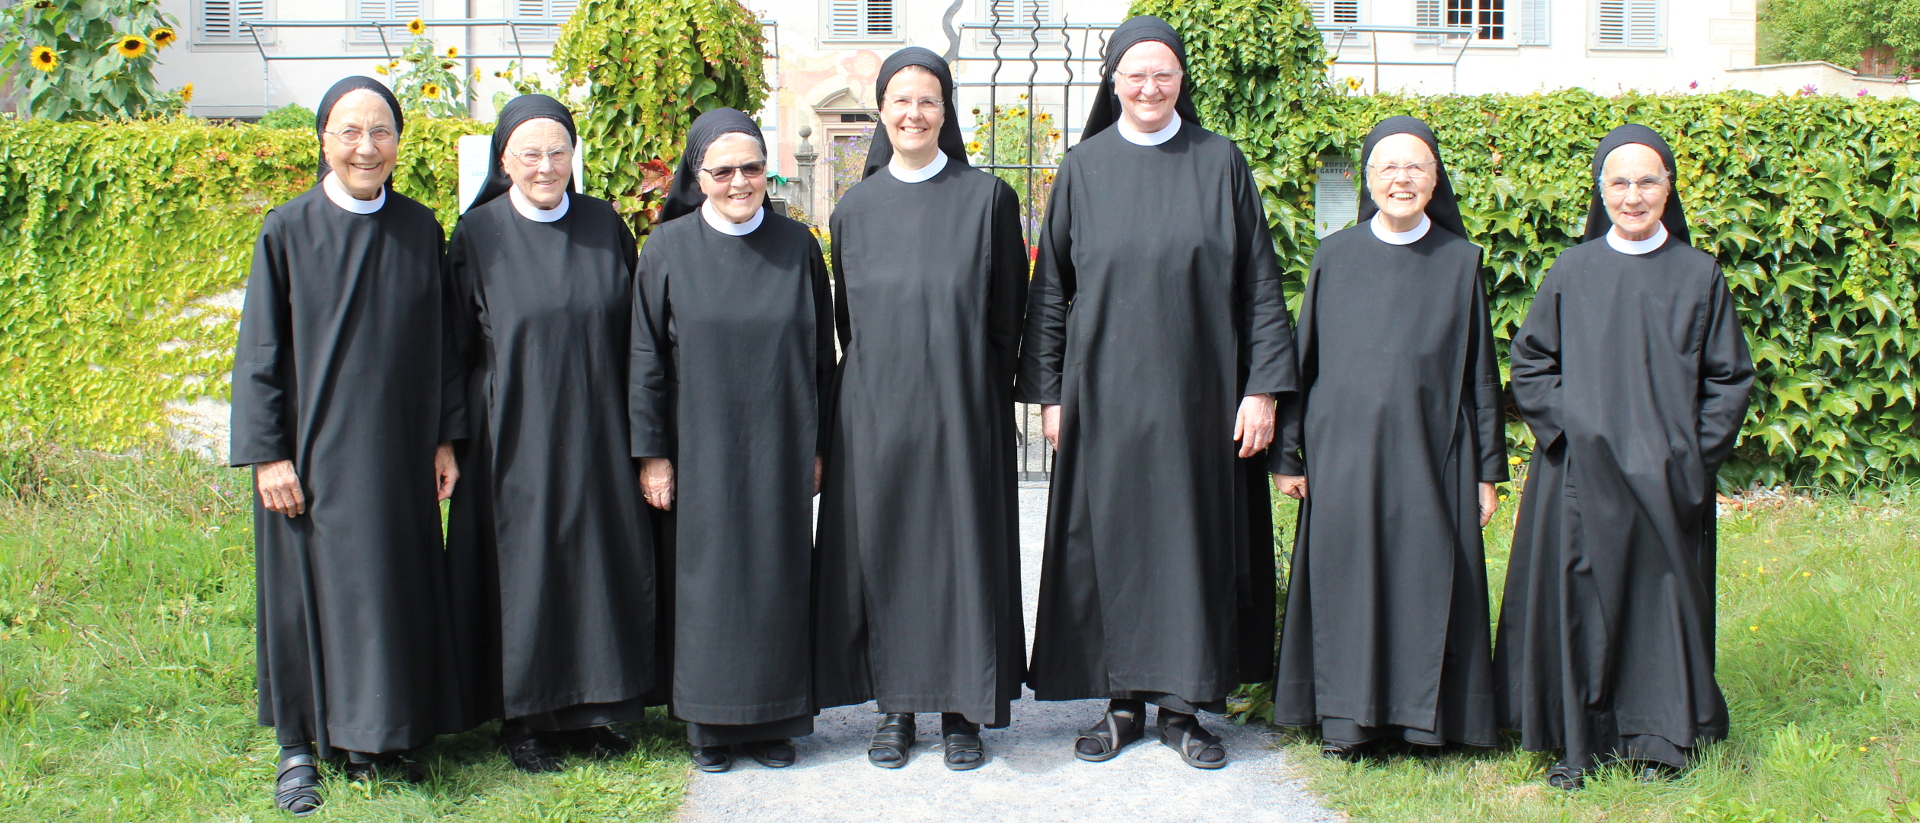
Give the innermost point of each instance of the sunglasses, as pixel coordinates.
(724, 174)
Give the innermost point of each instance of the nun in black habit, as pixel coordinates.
(1156, 337)
(1633, 373)
(732, 366)
(562, 629)
(346, 395)
(918, 589)
(1386, 630)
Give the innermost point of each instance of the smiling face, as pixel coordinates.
(1401, 175)
(913, 129)
(365, 167)
(1148, 106)
(1633, 184)
(739, 197)
(545, 182)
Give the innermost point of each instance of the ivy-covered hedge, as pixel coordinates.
(1811, 204)
(119, 240)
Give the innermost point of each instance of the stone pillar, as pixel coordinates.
(803, 158)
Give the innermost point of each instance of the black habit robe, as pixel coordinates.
(1386, 620)
(548, 490)
(1155, 308)
(1633, 373)
(346, 366)
(732, 363)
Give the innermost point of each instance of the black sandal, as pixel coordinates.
(773, 754)
(712, 759)
(1194, 741)
(1655, 772)
(534, 754)
(297, 794)
(597, 742)
(385, 768)
(1563, 776)
(961, 739)
(891, 741)
(1350, 752)
(1115, 731)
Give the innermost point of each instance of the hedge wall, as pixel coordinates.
(121, 237)
(1811, 204)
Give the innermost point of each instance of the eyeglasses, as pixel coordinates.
(381, 136)
(927, 105)
(1415, 171)
(1137, 79)
(1619, 186)
(724, 174)
(531, 159)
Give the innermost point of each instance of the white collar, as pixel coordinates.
(725, 226)
(337, 192)
(1399, 238)
(1150, 138)
(526, 208)
(919, 175)
(1625, 246)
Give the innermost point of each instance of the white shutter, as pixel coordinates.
(1535, 22)
(1631, 24)
(1336, 203)
(218, 21)
(879, 22)
(1426, 13)
(843, 19)
(541, 10)
(401, 10)
(862, 20)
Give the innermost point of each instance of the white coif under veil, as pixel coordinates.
(1637, 247)
(919, 175)
(337, 192)
(1149, 138)
(524, 205)
(1399, 238)
(725, 226)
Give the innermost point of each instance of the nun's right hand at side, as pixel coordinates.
(279, 488)
(1050, 424)
(656, 482)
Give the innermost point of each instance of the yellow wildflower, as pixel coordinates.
(186, 93)
(431, 91)
(162, 37)
(453, 52)
(380, 69)
(44, 59)
(416, 28)
(131, 46)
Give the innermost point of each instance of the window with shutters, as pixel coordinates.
(1331, 15)
(542, 10)
(1014, 20)
(1488, 18)
(218, 21)
(1522, 22)
(1627, 24)
(863, 19)
(400, 10)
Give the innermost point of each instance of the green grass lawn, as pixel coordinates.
(1819, 656)
(126, 670)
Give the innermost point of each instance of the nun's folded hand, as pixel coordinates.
(819, 467)
(1293, 485)
(656, 482)
(1050, 424)
(280, 488)
(1253, 428)
(1489, 503)
(446, 469)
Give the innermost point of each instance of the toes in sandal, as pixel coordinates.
(296, 787)
(891, 740)
(773, 754)
(1192, 740)
(712, 759)
(534, 754)
(1114, 732)
(964, 748)
(1563, 776)
(598, 742)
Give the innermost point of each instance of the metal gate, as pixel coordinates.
(1023, 83)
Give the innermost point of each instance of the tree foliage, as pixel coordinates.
(652, 66)
(86, 59)
(1839, 31)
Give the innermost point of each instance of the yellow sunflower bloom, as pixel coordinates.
(453, 52)
(44, 59)
(186, 93)
(415, 27)
(380, 69)
(131, 46)
(162, 37)
(476, 75)
(431, 91)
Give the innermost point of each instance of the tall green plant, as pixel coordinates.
(428, 84)
(653, 66)
(86, 59)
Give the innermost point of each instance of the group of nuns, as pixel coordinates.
(632, 441)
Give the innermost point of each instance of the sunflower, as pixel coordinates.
(186, 94)
(44, 59)
(380, 69)
(453, 52)
(162, 37)
(415, 27)
(431, 91)
(446, 64)
(476, 75)
(131, 46)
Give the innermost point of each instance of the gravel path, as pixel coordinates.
(1032, 776)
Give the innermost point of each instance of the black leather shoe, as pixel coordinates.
(597, 742)
(385, 768)
(712, 759)
(773, 754)
(534, 754)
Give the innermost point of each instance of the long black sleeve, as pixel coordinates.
(1536, 365)
(649, 361)
(825, 360)
(1483, 389)
(1726, 376)
(1049, 299)
(263, 368)
(1007, 295)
